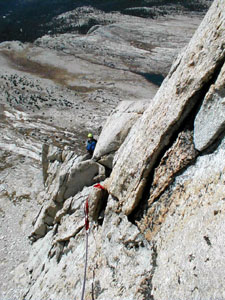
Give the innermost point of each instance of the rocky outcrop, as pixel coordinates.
(159, 233)
(190, 244)
(173, 105)
(57, 92)
(142, 44)
(157, 222)
(116, 130)
(65, 175)
(180, 155)
(209, 122)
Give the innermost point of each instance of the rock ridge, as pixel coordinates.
(157, 215)
(182, 96)
(165, 243)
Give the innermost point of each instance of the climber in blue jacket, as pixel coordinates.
(91, 143)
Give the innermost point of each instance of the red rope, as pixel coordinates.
(86, 210)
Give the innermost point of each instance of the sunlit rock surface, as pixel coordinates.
(180, 94)
(117, 128)
(210, 121)
(55, 91)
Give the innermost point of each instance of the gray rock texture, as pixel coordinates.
(190, 244)
(18, 206)
(117, 128)
(65, 251)
(178, 95)
(130, 44)
(210, 121)
(159, 233)
(66, 174)
(157, 223)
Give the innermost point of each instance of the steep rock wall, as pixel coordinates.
(160, 233)
(190, 243)
(181, 92)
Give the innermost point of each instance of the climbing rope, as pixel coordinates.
(86, 250)
(86, 210)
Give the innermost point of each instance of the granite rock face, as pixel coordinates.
(65, 175)
(180, 155)
(157, 220)
(210, 121)
(129, 44)
(117, 128)
(157, 226)
(179, 94)
(190, 244)
(56, 90)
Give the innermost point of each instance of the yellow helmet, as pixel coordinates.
(90, 135)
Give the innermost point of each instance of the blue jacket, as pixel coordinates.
(90, 147)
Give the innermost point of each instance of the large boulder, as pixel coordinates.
(66, 174)
(117, 128)
(85, 173)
